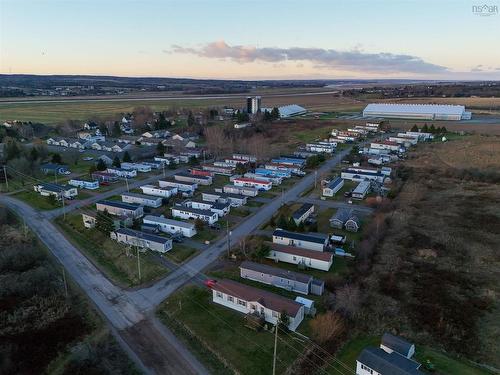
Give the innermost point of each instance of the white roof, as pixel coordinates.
(304, 301)
(163, 220)
(442, 109)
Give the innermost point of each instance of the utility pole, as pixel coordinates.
(6, 179)
(275, 347)
(315, 178)
(163, 165)
(138, 264)
(126, 181)
(282, 197)
(228, 234)
(65, 283)
(64, 209)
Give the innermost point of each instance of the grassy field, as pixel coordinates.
(221, 335)
(109, 255)
(37, 201)
(180, 253)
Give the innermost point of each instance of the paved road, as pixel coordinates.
(157, 350)
(151, 296)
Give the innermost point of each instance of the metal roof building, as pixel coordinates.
(417, 111)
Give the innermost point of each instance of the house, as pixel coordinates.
(297, 162)
(333, 187)
(128, 139)
(386, 145)
(106, 159)
(171, 226)
(345, 217)
(84, 184)
(302, 213)
(120, 172)
(139, 167)
(58, 191)
(245, 158)
(240, 190)
(200, 172)
(183, 186)
(53, 169)
(284, 167)
(254, 183)
(153, 164)
(197, 179)
(392, 357)
(77, 144)
(167, 160)
(250, 300)
(189, 213)
(235, 200)
(105, 177)
(142, 199)
(224, 171)
(165, 192)
(116, 208)
(120, 147)
(156, 134)
(272, 179)
(143, 240)
(89, 220)
(302, 257)
(358, 176)
(322, 147)
(221, 209)
(289, 280)
(273, 173)
(310, 241)
(361, 190)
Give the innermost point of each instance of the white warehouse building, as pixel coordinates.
(417, 111)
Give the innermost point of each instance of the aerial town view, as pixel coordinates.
(248, 187)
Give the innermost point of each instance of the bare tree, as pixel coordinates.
(348, 300)
(327, 327)
(216, 141)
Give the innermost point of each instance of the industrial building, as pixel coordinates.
(417, 111)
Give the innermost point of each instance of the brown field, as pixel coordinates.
(435, 276)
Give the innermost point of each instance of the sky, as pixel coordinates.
(241, 39)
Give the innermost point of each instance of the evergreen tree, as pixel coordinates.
(104, 222)
(432, 129)
(444, 130)
(282, 222)
(291, 225)
(160, 148)
(101, 165)
(199, 225)
(190, 119)
(171, 164)
(425, 128)
(193, 160)
(116, 162)
(116, 131)
(56, 158)
(414, 128)
(275, 113)
(267, 116)
(33, 154)
(126, 157)
(283, 321)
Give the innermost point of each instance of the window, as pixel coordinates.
(275, 314)
(242, 303)
(294, 258)
(218, 294)
(366, 368)
(230, 298)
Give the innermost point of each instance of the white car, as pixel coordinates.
(88, 158)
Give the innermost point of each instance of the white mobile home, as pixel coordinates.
(171, 226)
(164, 192)
(183, 212)
(143, 240)
(142, 199)
(333, 187)
(241, 190)
(310, 241)
(116, 208)
(120, 172)
(307, 258)
(182, 186)
(84, 184)
(361, 190)
(254, 183)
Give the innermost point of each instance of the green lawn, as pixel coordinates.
(445, 364)
(37, 201)
(252, 203)
(180, 253)
(350, 351)
(218, 334)
(339, 267)
(239, 211)
(110, 256)
(206, 234)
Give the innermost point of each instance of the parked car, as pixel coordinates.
(215, 226)
(348, 194)
(88, 158)
(209, 283)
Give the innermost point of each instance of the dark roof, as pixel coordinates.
(142, 196)
(318, 282)
(142, 235)
(54, 187)
(285, 274)
(310, 237)
(185, 174)
(270, 300)
(396, 343)
(172, 181)
(302, 210)
(193, 210)
(313, 254)
(388, 364)
(220, 206)
(332, 184)
(127, 206)
(225, 195)
(342, 214)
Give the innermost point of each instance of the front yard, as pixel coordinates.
(218, 337)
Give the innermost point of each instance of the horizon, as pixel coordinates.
(236, 41)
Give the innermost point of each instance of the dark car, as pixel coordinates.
(348, 194)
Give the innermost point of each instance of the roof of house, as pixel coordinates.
(285, 274)
(187, 183)
(196, 211)
(247, 293)
(54, 187)
(248, 188)
(142, 196)
(396, 343)
(334, 183)
(126, 206)
(388, 364)
(252, 180)
(342, 214)
(302, 210)
(185, 174)
(319, 255)
(304, 301)
(398, 108)
(143, 236)
(309, 237)
(164, 220)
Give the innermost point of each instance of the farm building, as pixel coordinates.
(289, 110)
(302, 213)
(417, 111)
(142, 199)
(171, 226)
(143, 240)
(120, 209)
(333, 187)
(250, 300)
(289, 280)
(84, 184)
(302, 257)
(310, 241)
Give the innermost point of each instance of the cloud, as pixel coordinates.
(355, 60)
